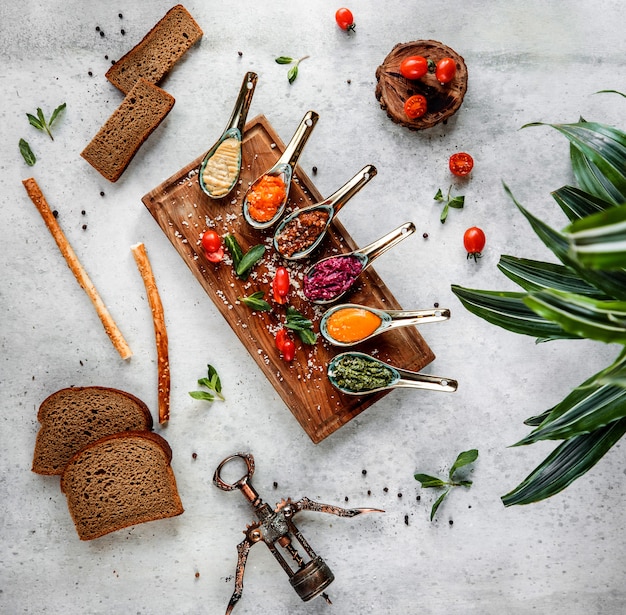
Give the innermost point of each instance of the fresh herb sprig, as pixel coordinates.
(457, 202)
(256, 301)
(293, 71)
(426, 480)
(213, 383)
(27, 153)
(243, 263)
(40, 123)
(301, 325)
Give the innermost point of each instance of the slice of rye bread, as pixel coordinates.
(117, 142)
(118, 481)
(155, 55)
(72, 418)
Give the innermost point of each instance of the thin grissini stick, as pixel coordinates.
(37, 197)
(160, 332)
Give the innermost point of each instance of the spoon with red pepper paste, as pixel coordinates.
(265, 200)
(301, 232)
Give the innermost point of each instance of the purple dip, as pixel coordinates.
(332, 277)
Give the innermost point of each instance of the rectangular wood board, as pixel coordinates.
(184, 212)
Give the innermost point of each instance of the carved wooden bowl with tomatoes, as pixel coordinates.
(421, 84)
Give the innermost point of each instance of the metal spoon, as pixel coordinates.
(401, 378)
(390, 319)
(365, 256)
(283, 168)
(216, 157)
(332, 205)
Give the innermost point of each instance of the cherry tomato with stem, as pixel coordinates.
(474, 242)
(461, 164)
(212, 245)
(280, 285)
(414, 67)
(415, 106)
(345, 19)
(445, 70)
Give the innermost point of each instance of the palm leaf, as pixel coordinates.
(565, 464)
(604, 321)
(508, 310)
(577, 203)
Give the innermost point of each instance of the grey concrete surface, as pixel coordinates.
(527, 62)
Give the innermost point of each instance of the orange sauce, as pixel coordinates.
(351, 324)
(265, 198)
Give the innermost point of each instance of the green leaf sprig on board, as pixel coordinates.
(243, 262)
(583, 297)
(212, 383)
(426, 480)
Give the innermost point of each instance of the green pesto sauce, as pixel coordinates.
(359, 374)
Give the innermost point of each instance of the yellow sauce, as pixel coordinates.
(350, 324)
(222, 167)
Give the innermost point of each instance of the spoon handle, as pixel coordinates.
(339, 198)
(402, 318)
(242, 104)
(415, 380)
(375, 249)
(298, 141)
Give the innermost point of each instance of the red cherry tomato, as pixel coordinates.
(289, 350)
(213, 248)
(280, 285)
(474, 242)
(445, 70)
(414, 67)
(415, 106)
(345, 19)
(461, 164)
(281, 336)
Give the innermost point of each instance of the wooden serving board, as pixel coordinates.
(184, 212)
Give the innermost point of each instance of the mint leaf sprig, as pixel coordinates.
(293, 71)
(457, 202)
(426, 480)
(213, 383)
(40, 123)
(303, 326)
(256, 301)
(29, 158)
(243, 263)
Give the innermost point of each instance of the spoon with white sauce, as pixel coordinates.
(357, 373)
(331, 277)
(348, 324)
(277, 179)
(220, 168)
(302, 231)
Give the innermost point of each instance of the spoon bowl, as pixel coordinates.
(389, 319)
(357, 373)
(282, 169)
(284, 236)
(221, 166)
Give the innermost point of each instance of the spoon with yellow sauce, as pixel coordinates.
(265, 200)
(220, 168)
(349, 323)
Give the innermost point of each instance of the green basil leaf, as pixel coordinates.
(292, 74)
(257, 302)
(41, 116)
(444, 214)
(457, 202)
(308, 336)
(202, 395)
(463, 459)
(429, 481)
(216, 383)
(34, 121)
(438, 503)
(439, 195)
(283, 60)
(234, 248)
(55, 114)
(249, 259)
(27, 153)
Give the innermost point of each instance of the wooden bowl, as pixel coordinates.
(392, 89)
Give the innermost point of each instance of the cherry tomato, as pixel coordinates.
(445, 70)
(414, 67)
(415, 106)
(461, 164)
(213, 248)
(281, 336)
(280, 285)
(474, 242)
(289, 350)
(345, 19)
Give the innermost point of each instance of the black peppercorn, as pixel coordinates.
(97, 28)
(314, 170)
(84, 227)
(83, 212)
(55, 213)
(90, 74)
(101, 193)
(121, 16)
(123, 31)
(406, 519)
(102, 33)
(364, 472)
(275, 484)
(194, 455)
(425, 235)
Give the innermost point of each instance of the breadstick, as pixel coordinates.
(37, 197)
(160, 332)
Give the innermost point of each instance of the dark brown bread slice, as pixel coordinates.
(72, 418)
(119, 481)
(117, 142)
(155, 55)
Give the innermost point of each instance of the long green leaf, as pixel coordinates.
(577, 203)
(534, 275)
(565, 464)
(507, 310)
(599, 241)
(604, 321)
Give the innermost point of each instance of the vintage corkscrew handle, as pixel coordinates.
(243, 481)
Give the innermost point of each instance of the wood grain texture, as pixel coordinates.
(392, 89)
(184, 212)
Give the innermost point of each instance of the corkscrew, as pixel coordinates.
(309, 574)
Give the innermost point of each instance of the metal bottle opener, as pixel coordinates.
(278, 531)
